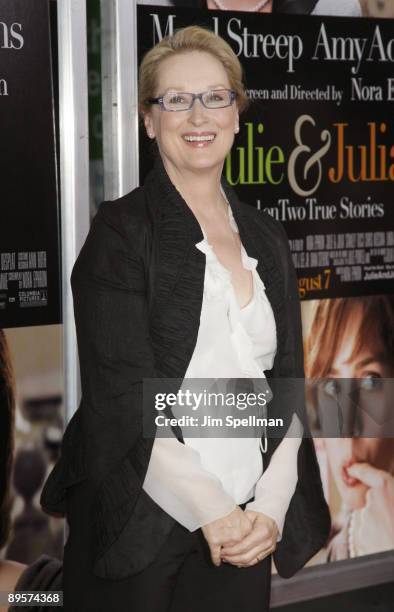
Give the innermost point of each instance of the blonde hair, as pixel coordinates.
(192, 38)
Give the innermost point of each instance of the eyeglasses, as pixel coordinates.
(183, 101)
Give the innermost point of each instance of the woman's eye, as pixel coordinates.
(176, 99)
(372, 382)
(214, 96)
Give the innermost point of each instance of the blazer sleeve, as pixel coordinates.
(103, 440)
(115, 354)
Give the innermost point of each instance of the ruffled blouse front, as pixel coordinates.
(243, 340)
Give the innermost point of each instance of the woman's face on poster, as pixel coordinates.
(359, 388)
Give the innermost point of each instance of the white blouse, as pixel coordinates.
(206, 478)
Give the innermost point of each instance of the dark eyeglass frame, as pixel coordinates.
(159, 100)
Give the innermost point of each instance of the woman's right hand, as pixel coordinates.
(227, 530)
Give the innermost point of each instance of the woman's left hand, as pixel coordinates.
(260, 542)
(373, 525)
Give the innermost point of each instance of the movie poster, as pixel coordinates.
(30, 220)
(316, 150)
(31, 365)
(349, 348)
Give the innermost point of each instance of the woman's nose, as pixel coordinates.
(349, 410)
(197, 112)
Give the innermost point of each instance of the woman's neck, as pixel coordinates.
(200, 190)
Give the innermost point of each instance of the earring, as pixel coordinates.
(236, 129)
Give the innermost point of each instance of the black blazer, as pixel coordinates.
(138, 289)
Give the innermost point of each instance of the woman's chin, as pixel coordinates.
(201, 164)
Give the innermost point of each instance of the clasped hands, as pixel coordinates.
(242, 538)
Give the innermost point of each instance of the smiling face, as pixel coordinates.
(370, 365)
(199, 139)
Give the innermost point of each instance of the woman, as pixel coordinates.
(162, 275)
(350, 358)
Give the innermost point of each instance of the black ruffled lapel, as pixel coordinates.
(179, 270)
